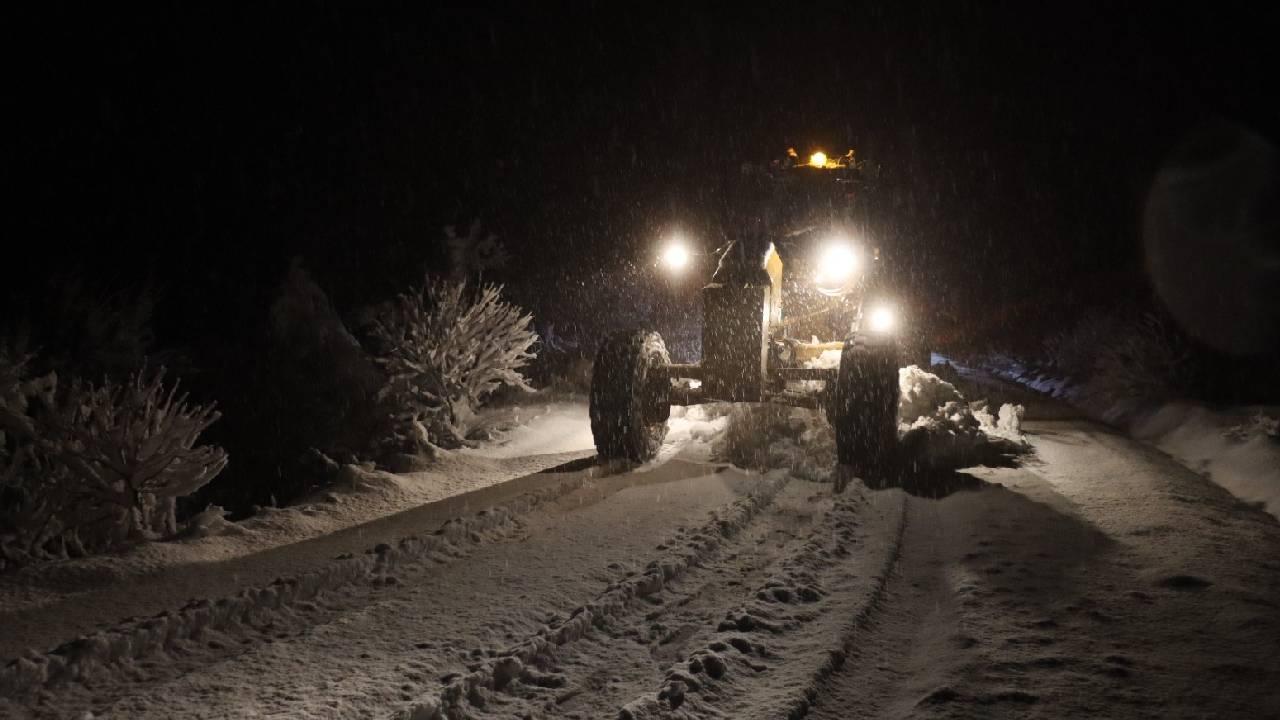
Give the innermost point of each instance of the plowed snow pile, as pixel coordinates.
(691, 430)
(938, 428)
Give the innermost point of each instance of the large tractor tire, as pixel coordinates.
(630, 396)
(864, 410)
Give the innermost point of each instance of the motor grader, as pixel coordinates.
(792, 289)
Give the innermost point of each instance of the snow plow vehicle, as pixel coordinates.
(792, 291)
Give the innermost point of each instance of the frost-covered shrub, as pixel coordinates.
(1072, 352)
(444, 348)
(91, 467)
(130, 449)
(17, 391)
(31, 495)
(1118, 357)
(1148, 360)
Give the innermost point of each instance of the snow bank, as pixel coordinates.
(1237, 449)
(357, 496)
(92, 658)
(554, 427)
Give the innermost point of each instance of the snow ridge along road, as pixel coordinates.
(95, 658)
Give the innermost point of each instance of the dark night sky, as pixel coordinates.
(202, 148)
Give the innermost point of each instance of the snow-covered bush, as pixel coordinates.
(130, 450)
(1149, 359)
(17, 390)
(1116, 357)
(30, 492)
(444, 348)
(95, 466)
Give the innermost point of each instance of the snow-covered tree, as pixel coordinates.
(131, 451)
(91, 466)
(444, 348)
(32, 494)
(17, 389)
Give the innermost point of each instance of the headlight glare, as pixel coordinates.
(882, 319)
(675, 256)
(838, 266)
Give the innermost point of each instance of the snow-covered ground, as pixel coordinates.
(550, 434)
(536, 428)
(1236, 447)
(1100, 580)
(1093, 578)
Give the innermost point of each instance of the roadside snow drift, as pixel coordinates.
(541, 429)
(1239, 450)
(1236, 447)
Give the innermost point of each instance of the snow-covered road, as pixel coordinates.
(1099, 579)
(1102, 580)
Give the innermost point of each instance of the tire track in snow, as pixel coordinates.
(388, 644)
(108, 656)
(768, 658)
(629, 653)
(467, 692)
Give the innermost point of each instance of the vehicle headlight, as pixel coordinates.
(837, 268)
(882, 319)
(675, 256)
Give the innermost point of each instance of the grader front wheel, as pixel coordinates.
(630, 396)
(864, 411)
